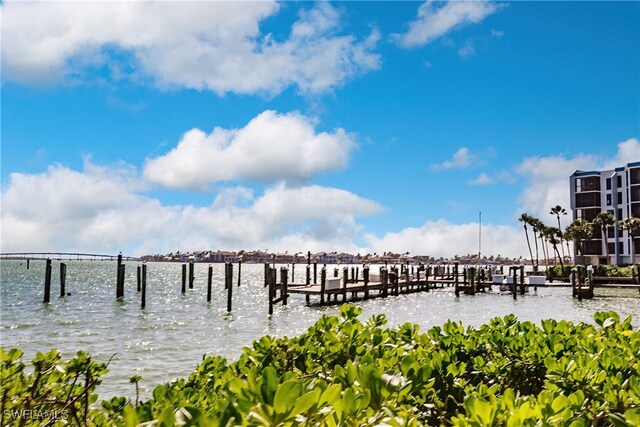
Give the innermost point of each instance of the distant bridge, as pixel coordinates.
(64, 256)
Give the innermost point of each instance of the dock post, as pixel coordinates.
(365, 277)
(138, 273)
(574, 288)
(315, 272)
(345, 280)
(143, 286)
(396, 283)
(266, 274)
(28, 263)
(284, 276)
(590, 282)
(239, 270)
(456, 278)
(209, 280)
(308, 279)
(184, 278)
(270, 289)
(514, 288)
(63, 279)
(323, 283)
(293, 271)
(521, 279)
(47, 282)
(472, 280)
(228, 279)
(191, 276)
(120, 278)
(384, 276)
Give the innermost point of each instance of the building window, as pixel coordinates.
(635, 194)
(619, 214)
(612, 248)
(619, 181)
(587, 200)
(620, 247)
(634, 176)
(608, 183)
(608, 199)
(591, 183)
(619, 197)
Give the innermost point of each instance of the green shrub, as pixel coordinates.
(345, 372)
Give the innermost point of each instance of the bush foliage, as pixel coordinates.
(346, 372)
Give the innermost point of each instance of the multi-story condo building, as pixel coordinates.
(616, 191)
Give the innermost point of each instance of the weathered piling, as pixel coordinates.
(308, 279)
(284, 277)
(323, 283)
(345, 281)
(228, 280)
(239, 271)
(209, 280)
(184, 278)
(574, 288)
(384, 277)
(472, 280)
(47, 282)
(522, 287)
(191, 275)
(365, 278)
(138, 281)
(515, 282)
(120, 278)
(456, 279)
(63, 279)
(315, 273)
(293, 272)
(143, 286)
(27, 263)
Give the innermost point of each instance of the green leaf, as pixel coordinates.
(286, 395)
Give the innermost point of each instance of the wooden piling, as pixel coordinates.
(209, 281)
(27, 263)
(184, 278)
(47, 282)
(239, 271)
(365, 277)
(323, 283)
(228, 279)
(308, 279)
(120, 278)
(315, 272)
(384, 276)
(514, 288)
(271, 280)
(143, 286)
(456, 279)
(345, 281)
(138, 281)
(63, 279)
(191, 275)
(522, 287)
(284, 276)
(472, 280)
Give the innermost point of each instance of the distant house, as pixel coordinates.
(616, 191)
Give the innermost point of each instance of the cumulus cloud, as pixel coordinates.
(468, 49)
(216, 46)
(103, 209)
(547, 178)
(462, 159)
(482, 179)
(434, 21)
(270, 147)
(444, 239)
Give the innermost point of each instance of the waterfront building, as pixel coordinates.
(616, 191)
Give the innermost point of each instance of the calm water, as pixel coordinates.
(170, 336)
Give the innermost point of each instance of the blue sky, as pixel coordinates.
(356, 126)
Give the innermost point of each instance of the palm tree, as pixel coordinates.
(632, 225)
(524, 219)
(557, 210)
(554, 236)
(603, 220)
(538, 229)
(578, 231)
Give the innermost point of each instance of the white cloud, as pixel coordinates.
(497, 33)
(462, 159)
(270, 147)
(434, 22)
(482, 179)
(216, 46)
(101, 209)
(444, 239)
(468, 49)
(548, 177)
